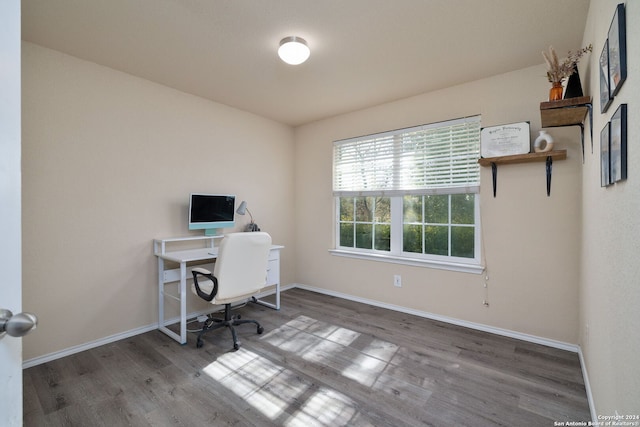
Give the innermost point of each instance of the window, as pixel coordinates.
(411, 195)
(439, 225)
(365, 223)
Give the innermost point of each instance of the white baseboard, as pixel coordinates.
(587, 386)
(472, 325)
(86, 346)
(122, 335)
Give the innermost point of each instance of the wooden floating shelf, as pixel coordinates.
(566, 112)
(523, 158)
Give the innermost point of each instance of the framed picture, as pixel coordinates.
(617, 51)
(505, 140)
(618, 144)
(605, 98)
(605, 177)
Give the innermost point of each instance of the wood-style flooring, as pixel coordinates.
(322, 361)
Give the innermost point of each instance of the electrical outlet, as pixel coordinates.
(397, 281)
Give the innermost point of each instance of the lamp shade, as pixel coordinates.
(242, 208)
(293, 50)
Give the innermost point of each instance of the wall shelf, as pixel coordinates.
(547, 157)
(523, 158)
(568, 112)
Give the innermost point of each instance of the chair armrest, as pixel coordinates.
(206, 273)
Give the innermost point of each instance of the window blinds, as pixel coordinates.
(430, 159)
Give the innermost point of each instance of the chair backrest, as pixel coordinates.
(241, 266)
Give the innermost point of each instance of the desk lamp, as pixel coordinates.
(252, 226)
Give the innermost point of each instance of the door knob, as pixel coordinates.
(16, 326)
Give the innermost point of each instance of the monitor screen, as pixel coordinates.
(210, 212)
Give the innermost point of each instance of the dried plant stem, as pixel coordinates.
(556, 71)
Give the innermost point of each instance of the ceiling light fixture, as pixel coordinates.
(293, 50)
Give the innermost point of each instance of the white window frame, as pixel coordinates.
(396, 254)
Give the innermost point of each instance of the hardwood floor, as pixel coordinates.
(322, 361)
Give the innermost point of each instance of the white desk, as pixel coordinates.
(180, 275)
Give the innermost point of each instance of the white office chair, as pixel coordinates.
(239, 273)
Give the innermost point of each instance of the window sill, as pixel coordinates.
(441, 265)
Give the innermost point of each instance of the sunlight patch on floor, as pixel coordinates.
(245, 374)
(293, 400)
(324, 408)
(271, 389)
(371, 363)
(365, 369)
(322, 342)
(343, 336)
(303, 334)
(380, 349)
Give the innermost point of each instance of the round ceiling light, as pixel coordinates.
(293, 50)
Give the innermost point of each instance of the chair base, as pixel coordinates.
(229, 321)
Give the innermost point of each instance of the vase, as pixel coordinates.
(543, 143)
(555, 93)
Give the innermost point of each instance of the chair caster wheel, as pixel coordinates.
(200, 343)
(238, 317)
(236, 346)
(260, 330)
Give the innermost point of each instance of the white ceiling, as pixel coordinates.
(363, 52)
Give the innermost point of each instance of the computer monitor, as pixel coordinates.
(210, 212)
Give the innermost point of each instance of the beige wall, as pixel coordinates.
(109, 161)
(610, 273)
(530, 241)
(134, 150)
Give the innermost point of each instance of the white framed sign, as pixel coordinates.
(505, 140)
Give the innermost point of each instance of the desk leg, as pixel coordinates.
(275, 306)
(160, 293)
(182, 337)
(183, 303)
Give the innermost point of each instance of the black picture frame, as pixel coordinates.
(605, 176)
(605, 97)
(617, 51)
(618, 145)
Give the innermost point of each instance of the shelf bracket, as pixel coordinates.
(494, 175)
(590, 112)
(582, 141)
(549, 167)
(590, 108)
